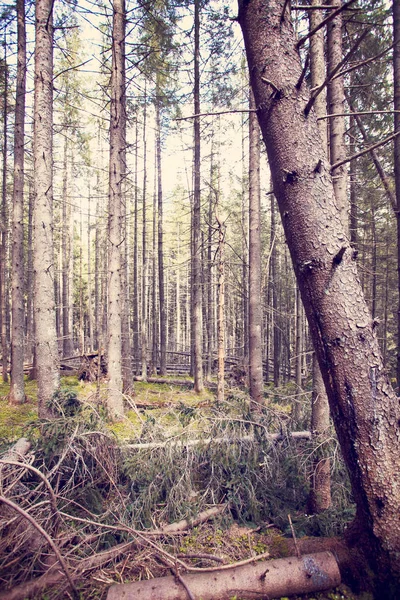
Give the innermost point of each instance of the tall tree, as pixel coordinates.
(4, 225)
(255, 317)
(17, 391)
(196, 231)
(320, 492)
(364, 407)
(117, 172)
(45, 325)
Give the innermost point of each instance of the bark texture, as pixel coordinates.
(363, 404)
(272, 579)
(255, 304)
(17, 391)
(396, 90)
(43, 262)
(115, 223)
(196, 256)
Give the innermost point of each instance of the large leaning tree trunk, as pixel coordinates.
(363, 404)
(46, 348)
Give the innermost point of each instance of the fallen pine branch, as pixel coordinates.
(267, 579)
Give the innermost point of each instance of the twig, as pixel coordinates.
(220, 112)
(53, 500)
(46, 536)
(365, 151)
(294, 537)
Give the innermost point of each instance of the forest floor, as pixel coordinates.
(174, 455)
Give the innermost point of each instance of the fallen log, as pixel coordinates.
(267, 579)
(273, 437)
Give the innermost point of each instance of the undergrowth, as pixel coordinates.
(165, 461)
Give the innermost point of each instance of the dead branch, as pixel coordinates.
(296, 435)
(324, 22)
(365, 151)
(51, 543)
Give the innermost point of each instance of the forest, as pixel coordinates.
(200, 299)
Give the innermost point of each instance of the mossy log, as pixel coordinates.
(267, 579)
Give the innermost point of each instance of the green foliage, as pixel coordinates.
(65, 403)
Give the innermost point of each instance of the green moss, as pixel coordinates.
(279, 546)
(14, 419)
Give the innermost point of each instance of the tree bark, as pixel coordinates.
(43, 263)
(17, 391)
(144, 253)
(320, 493)
(396, 92)
(255, 305)
(161, 283)
(117, 171)
(196, 269)
(264, 579)
(4, 228)
(363, 405)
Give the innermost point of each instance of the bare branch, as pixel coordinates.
(46, 536)
(301, 41)
(365, 151)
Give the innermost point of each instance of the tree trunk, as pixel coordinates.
(68, 346)
(161, 284)
(144, 253)
(221, 307)
(17, 391)
(335, 97)
(117, 171)
(255, 305)
(30, 345)
(264, 579)
(320, 494)
(3, 236)
(43, 263)
(396, 91)
(363, 405)
(135, 298)
(196, 269)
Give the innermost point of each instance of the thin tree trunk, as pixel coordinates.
(196, 257)
(335, 98)
(135, 295)
(30, 345)
(3, 237)
(68, 346)
(45, 324)
(274, 296)
(320, 494)
(17, 391)
(161, 284)
(89, 280)
(154, 315)
(255, 306)
(144, 253)
(221, 308)
(117, 171)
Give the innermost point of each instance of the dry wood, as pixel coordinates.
(47, 538)
(273, 437)
(272, 579)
